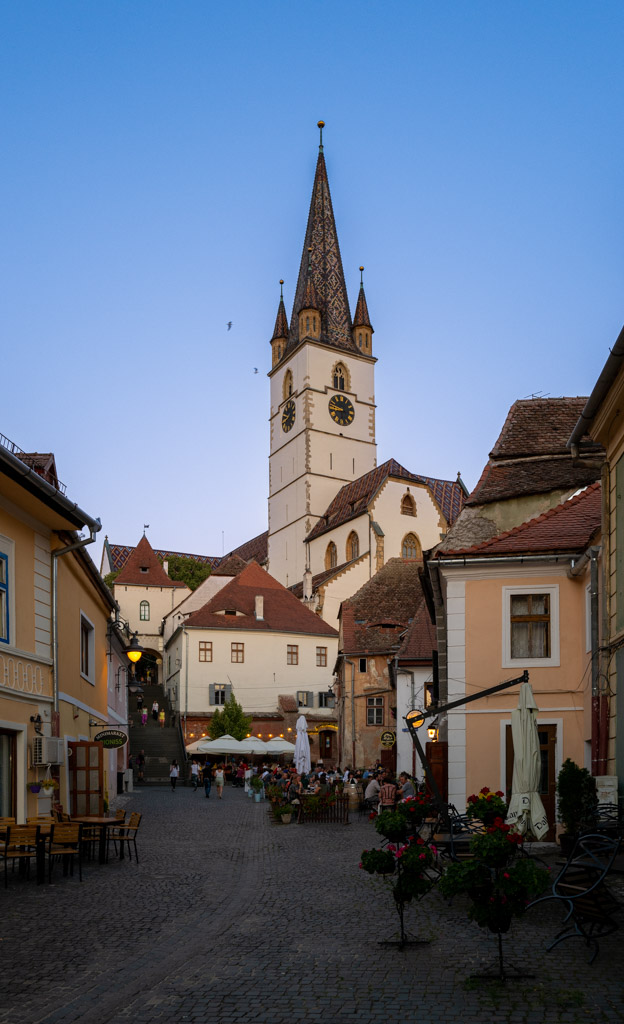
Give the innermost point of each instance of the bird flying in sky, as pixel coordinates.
(229, 325)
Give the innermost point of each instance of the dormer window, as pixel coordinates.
(230, 611)
(144, 568)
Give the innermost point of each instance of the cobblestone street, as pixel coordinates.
(231, 919)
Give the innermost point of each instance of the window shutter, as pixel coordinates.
(228, 691)
(211, 693)
(310, 698)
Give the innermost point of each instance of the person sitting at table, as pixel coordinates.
(387, 793)
(323, 785)
(371, 793)
(406, 787)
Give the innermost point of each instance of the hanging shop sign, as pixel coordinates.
(111, 738)
(388, 738)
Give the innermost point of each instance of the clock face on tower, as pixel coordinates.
(288, 415)
(341, 410)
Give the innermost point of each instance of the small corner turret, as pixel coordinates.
(279, 339)
(362, 329)
(310, 311)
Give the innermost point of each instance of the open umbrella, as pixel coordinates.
(526, 810)
(278, 745)
(197, 747)
(302, 746)
(223, 745)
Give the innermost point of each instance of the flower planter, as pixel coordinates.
(34, 787)
(286, 818)
(257, 797)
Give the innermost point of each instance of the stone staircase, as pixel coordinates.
(160, 746)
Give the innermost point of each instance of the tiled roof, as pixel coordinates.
(569, 527)
(420, 638)
(353, 499)
(44, 464)
(256, 549)
(120, 553)
(327, 273)
(230, 566)
(281, 322)
(376, 617)
(287, 702)
(530, 455)
(282, 611)
(310, 298)
(142, 568)
(318, 579)
(361, 317)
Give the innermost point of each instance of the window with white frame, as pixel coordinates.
(374, 711)
(87, 649)
(144, 611)
(530, 626)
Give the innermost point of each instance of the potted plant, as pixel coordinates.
(257, 786)
(486, 805)
(34, 787)
(577, 803)
(49, 785)
(498, 883)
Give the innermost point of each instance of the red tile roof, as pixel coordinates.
(230, 566)
(287, 702)
(256, 549)
(353, 499)
(318, 579)
(530, 455)
(569, 527)
(142, 568)
(376, 617)
(282, 611)
(420, 638)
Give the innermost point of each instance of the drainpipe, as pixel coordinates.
(352, 664)
(186, 636)
(599, 724)
(56, 554)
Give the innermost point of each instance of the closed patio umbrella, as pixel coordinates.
(526, 810)
(302, 746)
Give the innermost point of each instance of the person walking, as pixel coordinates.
(139, 701)
(194, 774)
(207, 779)
(220, 781)
(161, 719)
(174, 771)
(143, 715)
(155, 710)
(140, 763)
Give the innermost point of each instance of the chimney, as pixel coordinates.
(307, 584)
(166, 567)
(259, 606)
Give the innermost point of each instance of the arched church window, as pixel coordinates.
(307, 325)
(408, 505)
(339, 377)
(314, 324)
(331, 556)
(360, 339)
(288, 384)
(411, 548)
(144, 611)
(353, 546)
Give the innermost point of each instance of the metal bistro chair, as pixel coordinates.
(120, 815)
(580, 886)
(19, 845)
(127, 833)
(65, 843)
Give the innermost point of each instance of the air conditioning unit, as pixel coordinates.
(48, 750)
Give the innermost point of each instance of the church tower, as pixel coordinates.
(322, 391)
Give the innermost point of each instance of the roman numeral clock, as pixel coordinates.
(341, 410)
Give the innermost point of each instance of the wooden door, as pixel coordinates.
(437, 756)
(548, 778)
(326, 747)
(86, 768)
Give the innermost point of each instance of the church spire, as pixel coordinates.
(321, 266)
(280, 331)
(362, 328)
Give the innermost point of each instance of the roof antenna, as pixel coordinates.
(321, 125)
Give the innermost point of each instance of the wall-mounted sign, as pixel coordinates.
(111, 738)
(415, 718)
(388, 738)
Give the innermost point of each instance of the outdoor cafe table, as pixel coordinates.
(103, 824)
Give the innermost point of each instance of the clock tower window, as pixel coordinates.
(340, 377)
(287, 389)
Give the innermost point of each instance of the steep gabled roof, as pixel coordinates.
(256, 549)
(282, 612)
(118, 555)
(531, 455)
(142, 568)
(569, 527)
(229, 566)
(353, 499)
(376, 617)
(420, 638)
(361, 317)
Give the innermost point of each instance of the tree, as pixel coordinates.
(110, 578)
(230, 720)
(187, 570)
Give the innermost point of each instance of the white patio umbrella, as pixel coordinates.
(253, 745)
(278, 745)
(302, 746)
(196, 747)
(223, 745)
(526, 810)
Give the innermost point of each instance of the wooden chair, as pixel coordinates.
(65, 843)
(127, 833)
(40, 819)
(19, 845)
(7, 821)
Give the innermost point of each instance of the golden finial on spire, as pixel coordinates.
(320, 125)
(361, 277)
(281, 287)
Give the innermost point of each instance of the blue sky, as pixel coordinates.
(157, 168)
